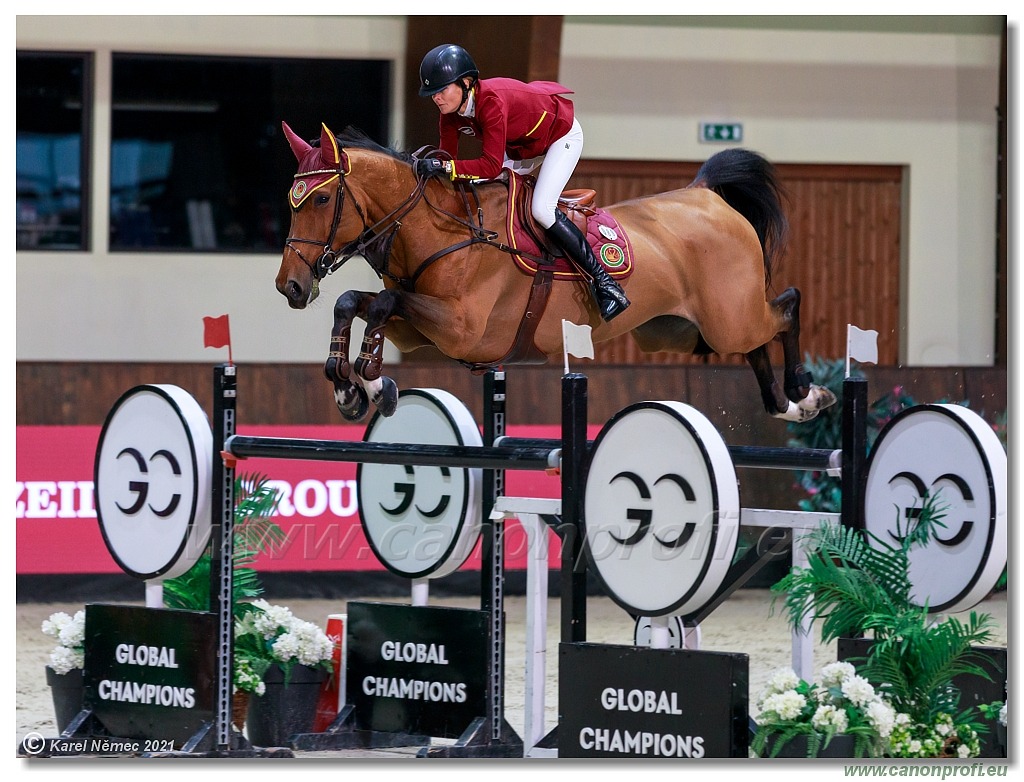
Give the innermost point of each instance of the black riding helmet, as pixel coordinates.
(444, 65)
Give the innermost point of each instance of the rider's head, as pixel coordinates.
(445, 65)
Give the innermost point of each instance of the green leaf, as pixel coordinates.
(254, 533)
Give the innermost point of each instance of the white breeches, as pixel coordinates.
(559, 162)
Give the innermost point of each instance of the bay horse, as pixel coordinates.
(703, 259)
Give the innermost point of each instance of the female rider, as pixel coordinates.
(521, 125)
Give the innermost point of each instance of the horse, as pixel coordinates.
(703, 262)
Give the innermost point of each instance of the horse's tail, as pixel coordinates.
(750, 185)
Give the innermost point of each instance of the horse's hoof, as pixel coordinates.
(817, 399)
(386, 399)
(796, 414)
(352, 402)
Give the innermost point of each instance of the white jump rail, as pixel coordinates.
(529, 511)
(799, 523)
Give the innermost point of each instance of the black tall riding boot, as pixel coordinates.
(609, 296)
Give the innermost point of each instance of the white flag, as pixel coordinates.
(576, 341)
(861, 345)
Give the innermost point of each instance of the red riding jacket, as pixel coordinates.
(513, 118)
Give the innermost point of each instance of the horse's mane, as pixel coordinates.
(353, 138)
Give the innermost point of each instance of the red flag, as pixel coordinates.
(217, 333)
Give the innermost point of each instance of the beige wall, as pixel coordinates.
(926, 101)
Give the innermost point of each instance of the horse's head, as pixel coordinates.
(320, 225)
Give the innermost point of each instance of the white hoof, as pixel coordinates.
(818, 398)
(796, 414)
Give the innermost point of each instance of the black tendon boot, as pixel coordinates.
(609, 296)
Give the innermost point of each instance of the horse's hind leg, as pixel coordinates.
(349, 395)
(799, 399)
(796, 380)
(776, 403)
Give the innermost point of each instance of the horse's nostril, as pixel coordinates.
(295, 295)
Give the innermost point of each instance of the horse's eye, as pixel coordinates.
(322, 199)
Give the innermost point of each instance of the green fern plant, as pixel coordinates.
(255, 533)
(855, 581)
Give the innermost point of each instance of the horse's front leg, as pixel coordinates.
(369, 366)
(349, 394)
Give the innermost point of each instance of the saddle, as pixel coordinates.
(531, 249)
(535, 256)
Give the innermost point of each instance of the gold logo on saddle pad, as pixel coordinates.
(612, 255)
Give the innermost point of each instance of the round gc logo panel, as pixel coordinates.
(661, 509)
(950, 453)
(421, 521)
(153, 476)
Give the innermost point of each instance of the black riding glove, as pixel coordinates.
(431, 166)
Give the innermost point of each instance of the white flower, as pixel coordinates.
(293, 640)
(828, 716)
(64, 659)
(915, 746)
(781, 680)
(963, 751)
(73, 634)
(70, 633)
(271, 619)
(858, 690)
(56, 621)
(787, 705)
(1002, 714)
(835, 674)
(304, 642)
(943, 729)
(882, 717)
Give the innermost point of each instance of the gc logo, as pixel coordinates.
(911, 514)
(154, 464)
(948, 452)
(661, 509)
(141, 488)
(407, 491)
(420, 521)
(643, 515)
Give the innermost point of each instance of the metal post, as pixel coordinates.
(222, 546)
(492, 564)
(855, 449)
(574, 452)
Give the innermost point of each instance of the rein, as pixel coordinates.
(385, 230)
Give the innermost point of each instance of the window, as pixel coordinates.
(198, 157)
(51, 172)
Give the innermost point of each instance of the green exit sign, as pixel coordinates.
(731, 132)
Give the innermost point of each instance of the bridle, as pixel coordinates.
(383, 231)
(374, 241)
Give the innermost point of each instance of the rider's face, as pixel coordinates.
(449, 99)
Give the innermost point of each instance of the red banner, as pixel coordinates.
(58, 532)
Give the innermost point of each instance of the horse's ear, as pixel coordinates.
(299, 147)
(329, 150)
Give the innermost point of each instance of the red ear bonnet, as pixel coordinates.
(318, 166)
